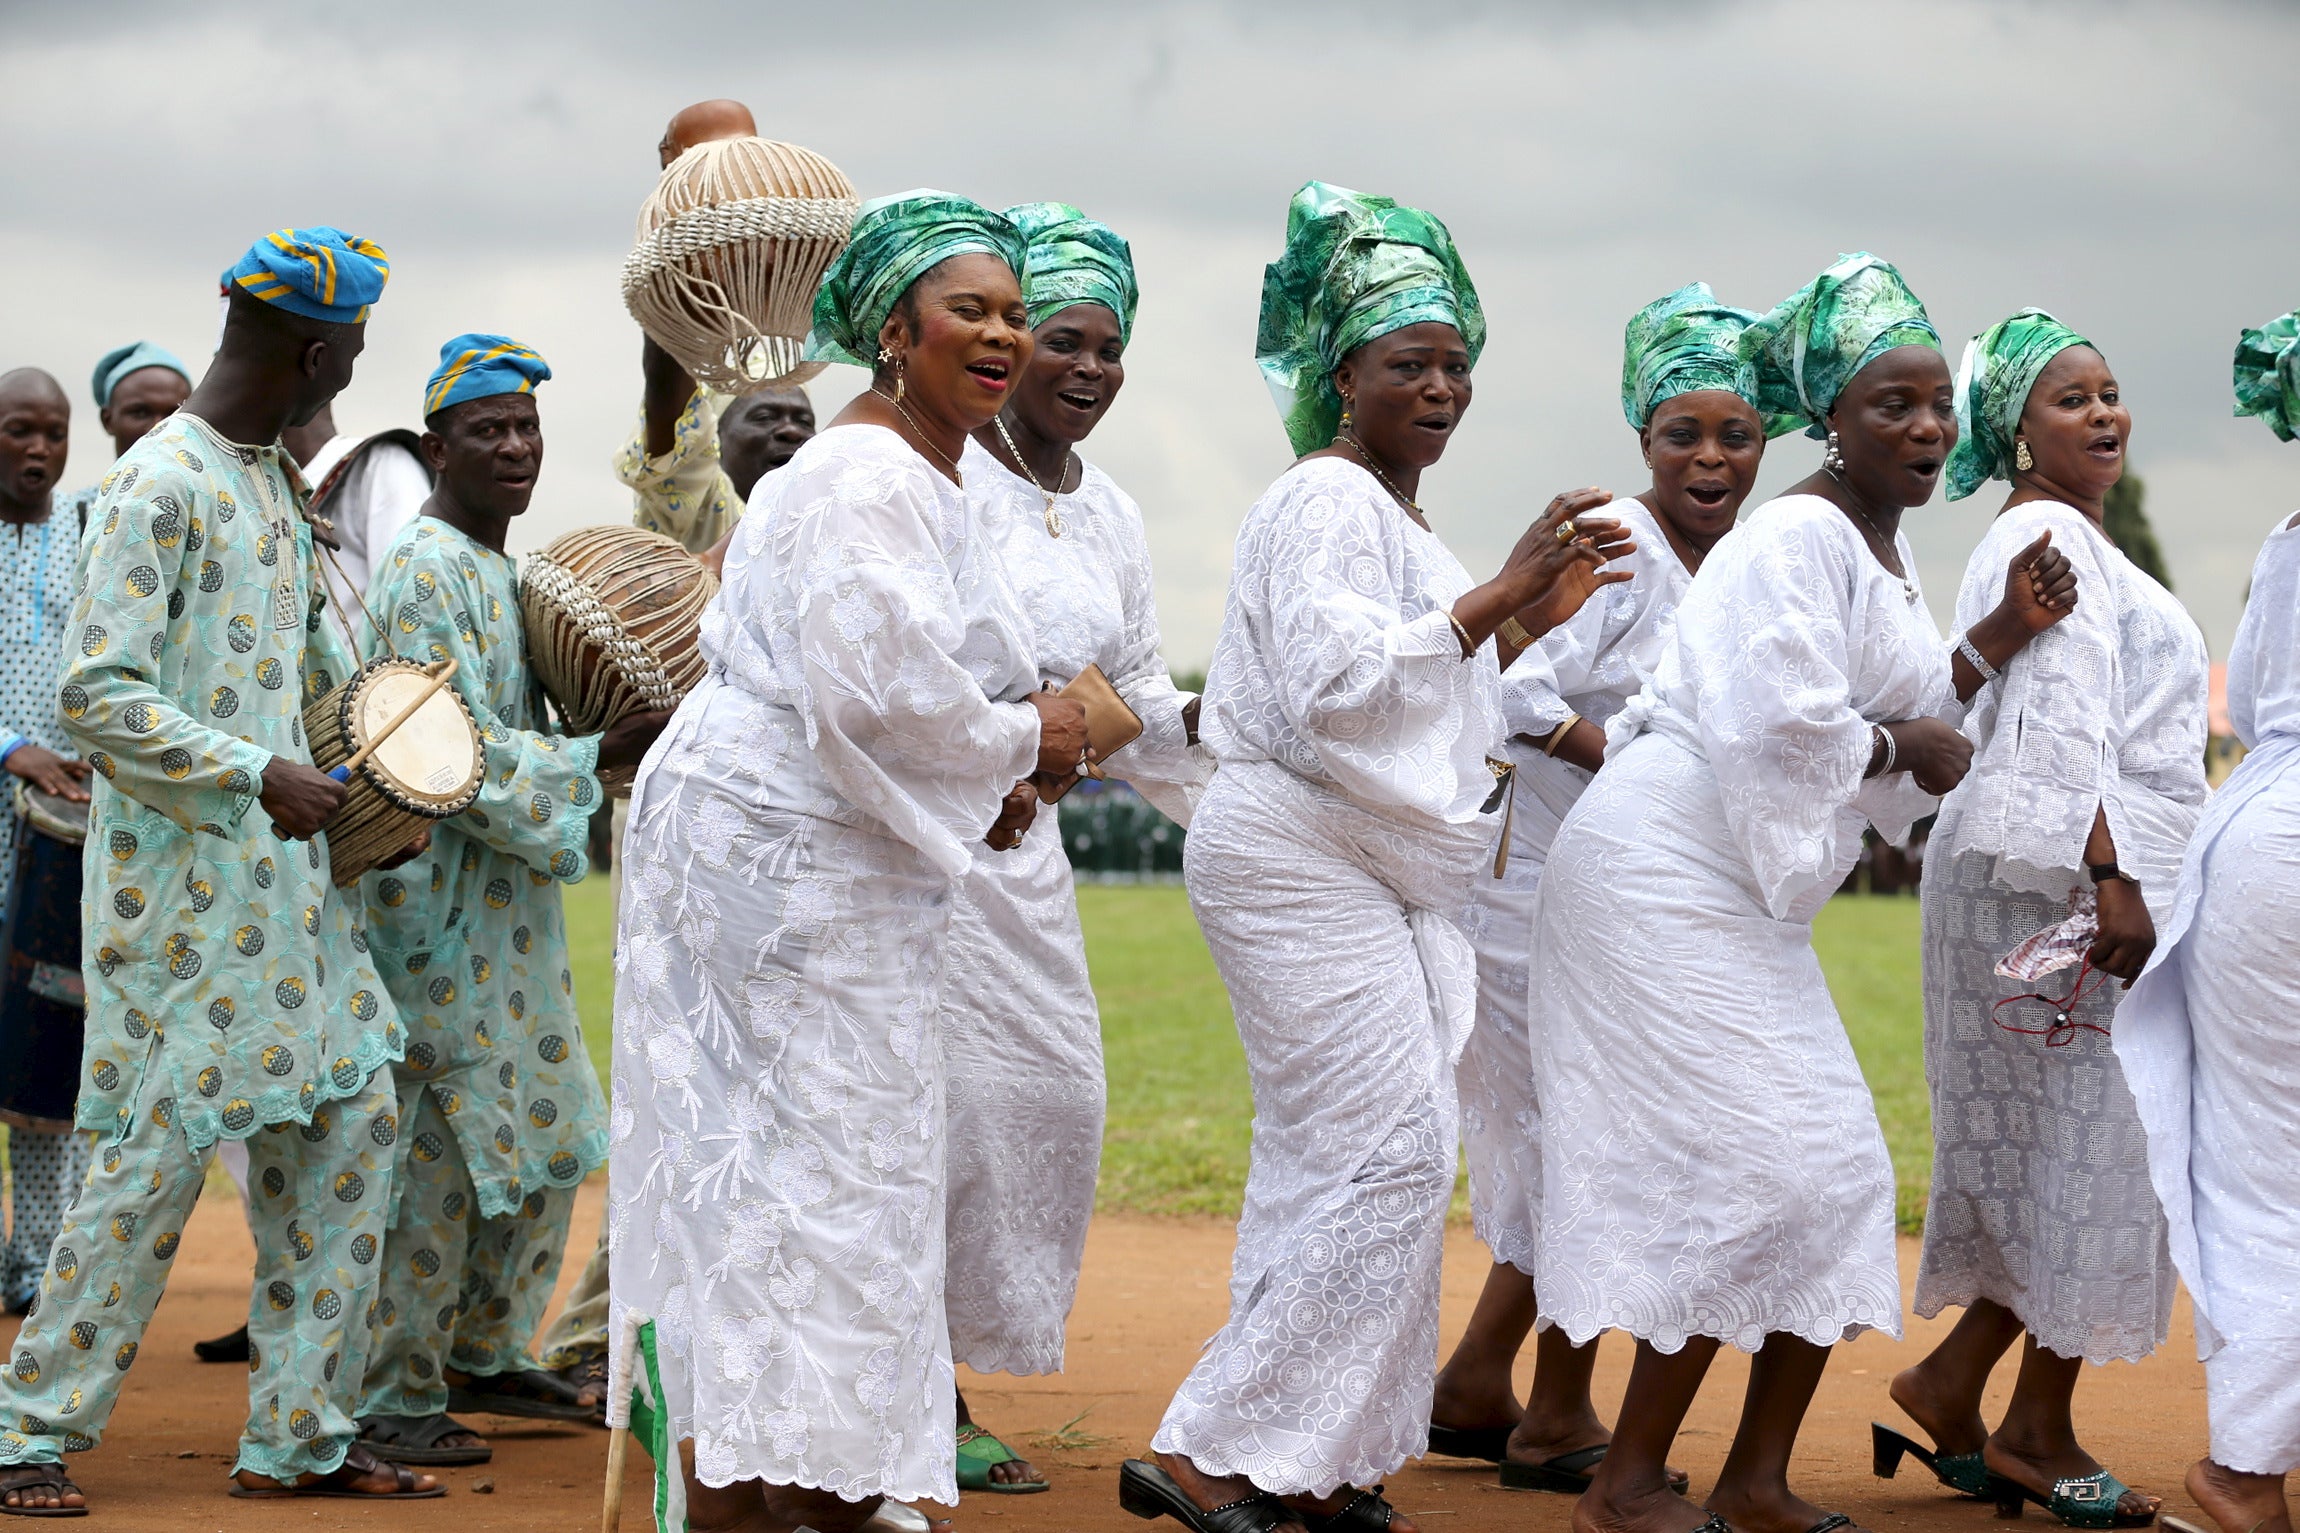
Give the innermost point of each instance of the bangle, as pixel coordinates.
(2102, 872)
(1973, 656)
(1468, 647)
(1514, 631)
(1557, 735)
(1892, 750)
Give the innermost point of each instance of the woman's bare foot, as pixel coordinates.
(1327, 1506)
(39, 1487)
(1206, 1491)
(1764, 1508)
(1953, 1422)
(1471, 1398)
(2240, 1503)
(2039, 1466)
(1636, 1508)
(361, 1473)
(1015, 1471)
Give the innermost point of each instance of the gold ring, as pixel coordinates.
(1566, 531)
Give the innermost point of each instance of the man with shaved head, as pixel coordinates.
(39, 1027)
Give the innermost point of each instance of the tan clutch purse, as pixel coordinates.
(1111, 726)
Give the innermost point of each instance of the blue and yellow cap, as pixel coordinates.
(319, 273)
(479, 366)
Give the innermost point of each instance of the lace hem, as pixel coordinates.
(1841, 1317)
(1299, 1473)
(2093, 1344)
(1510, 1245)
(1020, 1357)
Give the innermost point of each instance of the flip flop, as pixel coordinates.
(332, 1485)
(525, 1392)
(2079, 1501)
(1568, 1474)
(1963, 1473)
(1488, 1443)
(415, 1440)
(1150, 1492)
(1365, 1512)
(38, 1477)
(977, 1452)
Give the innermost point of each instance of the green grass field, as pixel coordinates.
(1179, 1107)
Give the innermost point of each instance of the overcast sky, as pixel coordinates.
(2127, 166)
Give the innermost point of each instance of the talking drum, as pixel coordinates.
(42, 1002)
(614, 627)
(408, 768)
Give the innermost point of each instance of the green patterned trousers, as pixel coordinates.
(459, 1291)
(318, 1198)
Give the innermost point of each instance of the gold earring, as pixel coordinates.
(2022, 458)
(888, 354)
(1345, 416)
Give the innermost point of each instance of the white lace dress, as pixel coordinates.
(1327, 865)
(1591, 666)
(2040, 1197)
(1711, 1162)
(1021, 1038)
(775, 1200)
(2210, 1039)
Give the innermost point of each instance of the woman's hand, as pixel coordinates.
(1547, 577)
(49, 772)
(1015, 812)
(2127, 934)
(1936, 755)
(1062, 747)
(2040, 587)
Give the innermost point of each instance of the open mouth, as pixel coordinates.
(1925, 468)
(34, 478)
(1437, 423)
(2106, 445)
(1709, 497)
(1079, 399)
(990, 372)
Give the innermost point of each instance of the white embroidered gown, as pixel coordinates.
(1328, 864)
(2210, 1039)
(776, 1192)
(1711, 1162)
(2040, 1197)
(1590, 665)
(1021, 1038)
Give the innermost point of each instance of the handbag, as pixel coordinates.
(1111, 726)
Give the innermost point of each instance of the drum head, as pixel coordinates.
(433, 758)
(61, 818)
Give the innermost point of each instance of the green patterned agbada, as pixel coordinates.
(2268, 374)
(2000, 367)
(1682, 343)
(897, 240)
(1074, 259)
(1354, 268)
(229, 983)
(470, 936)
(1817, 338)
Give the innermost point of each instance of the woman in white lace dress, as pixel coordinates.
(776, 1177)
(1352, 704)
(1691, 399)
(2210, 1035)
(1021, 1038)
(2088, 755)
(1712, 1170)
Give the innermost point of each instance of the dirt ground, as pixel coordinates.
(1153, 1290)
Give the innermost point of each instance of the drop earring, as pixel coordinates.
(887, 354)
(1345, 427)
(1834, 459)
(2022, 459)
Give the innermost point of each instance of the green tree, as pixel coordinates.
(2126, 521)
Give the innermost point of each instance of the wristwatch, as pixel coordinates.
(2102, 872)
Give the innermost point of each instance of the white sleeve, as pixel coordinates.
(391, 491)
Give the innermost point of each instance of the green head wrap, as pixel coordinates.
(1354, 267)
(896, 241)
(1682, 343)
(1812, 344)
(2268, 375)
(2001, 365)
(1074, 259)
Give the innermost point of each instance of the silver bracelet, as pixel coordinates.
(1892, 751)
(1972, 653)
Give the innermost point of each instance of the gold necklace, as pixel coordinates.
(921, 430)
(1351, 441)
(1053, 517)
(1908, 586)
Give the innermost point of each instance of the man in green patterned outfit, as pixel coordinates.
(502, 1114)
(229, 985)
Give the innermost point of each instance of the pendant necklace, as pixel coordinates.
(1350, 440)
(922, 436)
(1053, 517)
(1908, 586)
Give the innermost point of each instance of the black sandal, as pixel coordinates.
(335, 1484)
(1488, 1443)
(48, 1476)
(1568, 1474)
(223, 1349)
(1831, 1523)
(1963, 1473)
(1365, 1512)
(527, 1392)
(1149, 1492)
(415, 1440)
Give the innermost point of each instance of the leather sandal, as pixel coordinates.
(336, 1483)
(48, 1476)
(2079, 1501)
(415, 1440)
(1963, 1473)
(1365, 1512)
(1488, 1443)
(1149, 1492)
